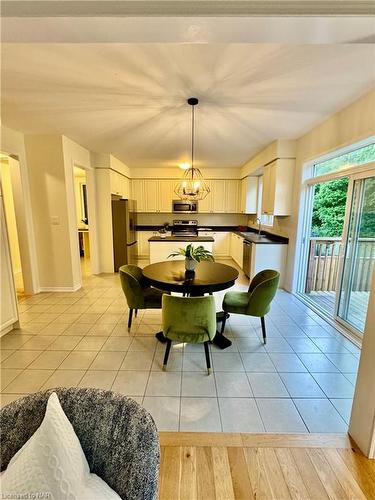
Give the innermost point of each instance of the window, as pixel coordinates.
(358, 156)
(265, 220)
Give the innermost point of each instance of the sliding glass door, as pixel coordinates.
(358, 254)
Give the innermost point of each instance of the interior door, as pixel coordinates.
(358, 255)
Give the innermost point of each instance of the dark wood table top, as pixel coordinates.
(208, 277)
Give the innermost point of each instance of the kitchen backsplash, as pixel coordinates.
(208, 219)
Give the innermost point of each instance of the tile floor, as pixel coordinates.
(301, 381)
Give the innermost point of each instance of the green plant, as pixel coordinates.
(194, 253)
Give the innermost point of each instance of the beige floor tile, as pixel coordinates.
(67, 318)
(5, 399)
(77, 360)
(137, 361)
(21, 359)
(39, 308)
(32, 328)
(54, 329)
(131, 383)
(97, 330)
(77, 308)
(89, 318)
(147, 329)
(49, 360)
(64, 378)
(98, 379)
(4, 354)
(14, 341)
(7, 375)
(122, 331)
(107, 361)
(28, 381)
(65, 343)
(38, 343)
(45, 318)
(57, 308)
(91, 343)
(117, 344)
(77, 329)
(111, 319)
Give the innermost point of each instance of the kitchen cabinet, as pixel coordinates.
(138, 194)
(236, 248)
(221, 245)
(159, 250)
(143, 244)
(268, 256)
(153, 195)
(223, 197)
(249, 195)
(277, 193)
(120, 185)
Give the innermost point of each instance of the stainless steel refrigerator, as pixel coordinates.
(124, 222)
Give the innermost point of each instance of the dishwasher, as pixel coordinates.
(246, 262)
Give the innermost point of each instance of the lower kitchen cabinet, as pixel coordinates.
(236, 248)
(268, 257)
(159, 250)
(143, 244)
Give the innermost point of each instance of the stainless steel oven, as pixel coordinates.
(184, 207)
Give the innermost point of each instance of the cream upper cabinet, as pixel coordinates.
(166, 195)
(218, 196)
(249, 195)
(277, 194)
(151, 191)
(115, 182)
(232, 192)
(138, 194)
(206, 205)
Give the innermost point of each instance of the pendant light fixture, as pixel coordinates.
(192, 186)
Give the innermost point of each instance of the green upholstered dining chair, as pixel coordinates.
(191, 320)
(137, 293)
(256, 301)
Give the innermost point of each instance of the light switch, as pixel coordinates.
(55, 220)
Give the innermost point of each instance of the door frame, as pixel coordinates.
(353, 173)
(367, 173)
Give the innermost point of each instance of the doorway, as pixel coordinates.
(338, 254)
(82, 219)
(7, 163)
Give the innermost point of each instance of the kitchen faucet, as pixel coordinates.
(259, 225)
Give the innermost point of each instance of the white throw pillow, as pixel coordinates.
(52, 462)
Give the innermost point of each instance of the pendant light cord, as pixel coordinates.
(192, 141)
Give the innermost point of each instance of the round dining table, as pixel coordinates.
(208, 277)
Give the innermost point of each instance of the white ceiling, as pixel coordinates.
(129, 99)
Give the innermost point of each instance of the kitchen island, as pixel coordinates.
(161, 248)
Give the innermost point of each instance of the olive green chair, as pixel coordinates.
(191, 320)
(256, 301)
(138, 294)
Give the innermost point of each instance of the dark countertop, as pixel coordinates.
(250, 235)
(264, 239)
(182, 238)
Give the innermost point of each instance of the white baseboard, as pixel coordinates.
(73, 288)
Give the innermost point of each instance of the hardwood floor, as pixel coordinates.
(263, 466)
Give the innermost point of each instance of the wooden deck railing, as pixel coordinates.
(324, 259)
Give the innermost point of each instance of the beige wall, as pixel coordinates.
(352, 124)
(10, 215)
(50, 209)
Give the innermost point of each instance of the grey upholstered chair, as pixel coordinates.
(117, 435)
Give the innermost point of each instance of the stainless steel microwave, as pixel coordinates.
(184, 207)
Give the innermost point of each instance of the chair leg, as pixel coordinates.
(223, 323)
(208, 362)
(136, 312)
(263, 323)
(130, 319)
(166, 355)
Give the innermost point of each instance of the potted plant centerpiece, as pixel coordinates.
(193, 255)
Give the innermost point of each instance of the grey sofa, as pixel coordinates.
(117, 435)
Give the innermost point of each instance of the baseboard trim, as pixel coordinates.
(8, 328)
(73, 288)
